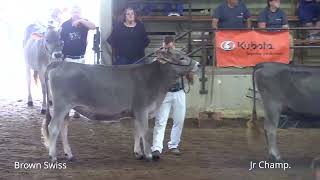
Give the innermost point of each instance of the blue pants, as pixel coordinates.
(168, 8)
(309, 13)
(148, 8)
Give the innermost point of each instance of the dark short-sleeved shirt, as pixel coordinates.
(231, 17)
(75, 39)
(178, 85)
(129, 42)
(273, 19)
(304, 2)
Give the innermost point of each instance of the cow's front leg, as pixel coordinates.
(28, 77)
(143, 128)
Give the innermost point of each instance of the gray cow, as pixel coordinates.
(111, 92)
(38, 53)
(284, 88)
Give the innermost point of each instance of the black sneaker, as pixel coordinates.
(76, 115)
(175, 151)
(156, 155)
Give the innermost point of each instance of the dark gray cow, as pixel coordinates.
(38, 53)
(284, 88)
(111, 92)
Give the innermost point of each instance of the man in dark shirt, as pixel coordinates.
(273, 16)
(231, 14)
(74, 34)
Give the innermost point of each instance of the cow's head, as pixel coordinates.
(177, 61)
(53, 43)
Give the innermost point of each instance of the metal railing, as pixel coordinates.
(204, 45)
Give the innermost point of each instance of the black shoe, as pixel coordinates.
(175, 151)
(156, 155)
(76, 115)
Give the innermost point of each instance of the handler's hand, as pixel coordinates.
(76, 23)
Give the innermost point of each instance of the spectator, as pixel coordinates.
(309, 15)
(56, 18)
(231, 14)
(128, 39)
(174, 8)
(272, 16)
(175, 99)
(74, 34)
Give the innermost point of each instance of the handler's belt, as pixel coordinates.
(175, 89)
(74, 57)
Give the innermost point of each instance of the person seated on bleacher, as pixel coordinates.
(231, 14)
(167, 8)
(272, 16)
(173, 8)
(309, 15)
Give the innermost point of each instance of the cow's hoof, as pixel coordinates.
(50, 103)
(69, 158)
(43, 111)
(138, 156)
(148, 158)
(53, 160)
(273, 158)
(30, 103)
(155, 155)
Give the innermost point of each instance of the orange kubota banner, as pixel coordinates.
(248, 48)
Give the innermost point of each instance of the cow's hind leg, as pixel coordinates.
(54, 128)
(137, 145)
(141, 125)
(28, 77)
(272, 114)
(64, 138)
(44, 93)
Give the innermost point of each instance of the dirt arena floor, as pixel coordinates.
(105, 151)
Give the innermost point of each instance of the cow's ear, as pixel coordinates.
(36, 36)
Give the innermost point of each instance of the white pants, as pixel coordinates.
(176, 100)
(81, 60)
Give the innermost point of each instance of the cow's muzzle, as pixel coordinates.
(57, 55)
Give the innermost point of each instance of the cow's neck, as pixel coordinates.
(165, 78)
(44, 52)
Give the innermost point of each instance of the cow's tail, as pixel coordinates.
(46, 121)
(253, 130)
(35, 77)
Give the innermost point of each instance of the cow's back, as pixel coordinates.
(97, 89)
(295, 87)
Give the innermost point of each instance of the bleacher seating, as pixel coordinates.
(159, 25)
